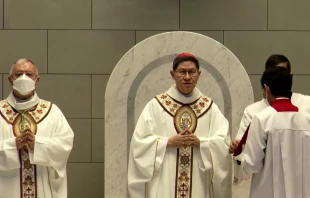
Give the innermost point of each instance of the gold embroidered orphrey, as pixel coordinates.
(28, 120)
(185, 117)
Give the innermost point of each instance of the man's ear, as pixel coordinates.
(37, 81)
(267, 89)
(172, 74)
(10, 80)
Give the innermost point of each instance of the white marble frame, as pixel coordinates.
(136, 64)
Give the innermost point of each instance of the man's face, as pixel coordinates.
(186, 76)
(26, 68)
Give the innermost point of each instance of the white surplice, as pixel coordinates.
(277, 154)
(53, 144)
(248, 114)
(152, 166)
(299, 100)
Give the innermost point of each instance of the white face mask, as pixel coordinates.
(24, 85)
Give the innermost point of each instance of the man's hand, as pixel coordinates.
(191, 139)
(21, 141)
(177, 141)
(233, 146)
(184, 139)
(27, 138)
(30, 139)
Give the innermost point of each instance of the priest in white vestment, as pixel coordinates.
(278, 143)
(179, 148)
(35, 140)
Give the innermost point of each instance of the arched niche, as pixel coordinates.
(143, 72)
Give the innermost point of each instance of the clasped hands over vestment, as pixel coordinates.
(27, 138)
(184, 139)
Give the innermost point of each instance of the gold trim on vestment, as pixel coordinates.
(185, 117)
(20, 121)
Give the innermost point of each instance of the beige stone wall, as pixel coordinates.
(77, 43)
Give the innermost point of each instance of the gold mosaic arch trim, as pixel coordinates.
(38, 114)
(200, 106)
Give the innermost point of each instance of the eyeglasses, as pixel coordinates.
(184, 72)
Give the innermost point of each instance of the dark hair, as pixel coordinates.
(279, 81)
(276, 59)
(181, 59)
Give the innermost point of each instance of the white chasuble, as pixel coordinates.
(155, 171)
(185, 117)
(40, 173)
(21, 120)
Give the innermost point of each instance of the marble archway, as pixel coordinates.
(143, 72)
